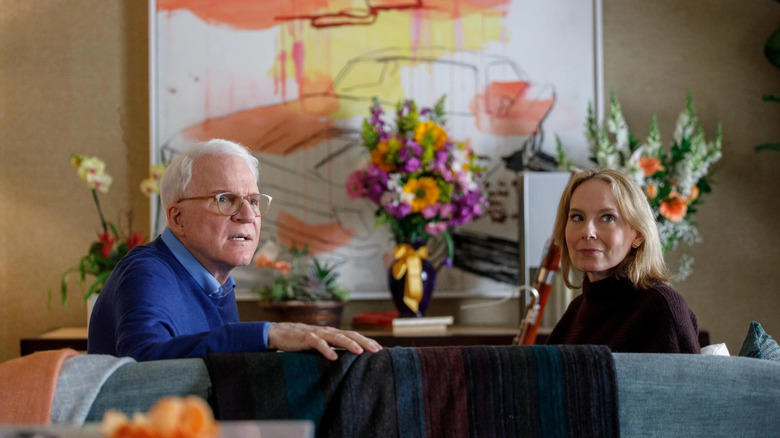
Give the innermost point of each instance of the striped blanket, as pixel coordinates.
(473, 391)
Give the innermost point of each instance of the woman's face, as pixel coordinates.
(597, 236)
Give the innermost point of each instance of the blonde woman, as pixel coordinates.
(610, 247)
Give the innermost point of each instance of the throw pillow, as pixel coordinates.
(716, 350)
(759, 344)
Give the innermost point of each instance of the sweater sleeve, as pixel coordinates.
(158, 312)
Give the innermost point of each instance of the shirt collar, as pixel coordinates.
(203, 277)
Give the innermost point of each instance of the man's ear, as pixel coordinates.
(175, 219)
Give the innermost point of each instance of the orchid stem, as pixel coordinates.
(100, 211)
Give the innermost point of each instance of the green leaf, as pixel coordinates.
(768, 147)
(772, 48)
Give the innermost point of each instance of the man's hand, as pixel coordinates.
(287, 336)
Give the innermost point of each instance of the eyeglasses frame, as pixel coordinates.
(215, 197)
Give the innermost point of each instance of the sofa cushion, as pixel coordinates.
(759, 344)
(716, 350)
(692, 395)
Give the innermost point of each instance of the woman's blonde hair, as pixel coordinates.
(642, 265)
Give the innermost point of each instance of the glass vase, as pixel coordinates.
(411, 278)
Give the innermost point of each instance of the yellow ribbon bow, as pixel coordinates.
(409, 262)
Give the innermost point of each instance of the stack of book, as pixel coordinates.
(390, 321)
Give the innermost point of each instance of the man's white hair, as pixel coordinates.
(178, 174)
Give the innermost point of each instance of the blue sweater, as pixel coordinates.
(151, 308)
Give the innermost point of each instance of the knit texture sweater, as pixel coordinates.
(151, 308)
(613, 312)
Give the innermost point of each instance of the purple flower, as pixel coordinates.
(374, 183)
(431, 211)
(411, 165)
(466, 207)
(398, 209)
(414, 147)
(434, 228)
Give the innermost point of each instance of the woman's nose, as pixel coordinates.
(588, 231)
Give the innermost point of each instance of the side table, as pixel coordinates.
(64, 337)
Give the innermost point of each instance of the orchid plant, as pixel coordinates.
(422, 182)
(151, 187)
(673, 179)
(103, 254)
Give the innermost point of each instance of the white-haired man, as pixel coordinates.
(173, 298)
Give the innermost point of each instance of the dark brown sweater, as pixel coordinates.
(613, 312)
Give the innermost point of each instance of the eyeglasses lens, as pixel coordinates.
(230, 203)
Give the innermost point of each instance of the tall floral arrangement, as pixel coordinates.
(104, 253)
(673, 179)
(421, 181)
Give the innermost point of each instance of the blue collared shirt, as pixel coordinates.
(203, 277)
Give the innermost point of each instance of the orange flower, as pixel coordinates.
(379, 156)
(430, 128)
(674, 208)
(693, 195)
(651, 165)
(283, 266)
(186, 417)
(651, 191)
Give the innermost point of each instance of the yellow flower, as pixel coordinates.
(89, 165)
(149, 186)
(379, 156)
(156, 171)
(430, 128)
(99, 181)
(425, 192)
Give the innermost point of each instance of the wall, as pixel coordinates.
(73, 78)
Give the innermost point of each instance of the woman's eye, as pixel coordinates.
(609, 218)
(575, 218)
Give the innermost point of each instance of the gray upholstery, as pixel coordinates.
(135, 387)
(669, 395)
(662, 395)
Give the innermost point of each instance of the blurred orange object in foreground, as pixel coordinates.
(170, 417)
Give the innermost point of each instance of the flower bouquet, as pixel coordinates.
(103, 254)
(673, 180)
(421, 182)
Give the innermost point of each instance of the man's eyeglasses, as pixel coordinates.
(229, 204)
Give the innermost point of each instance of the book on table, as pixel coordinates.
(392, 322)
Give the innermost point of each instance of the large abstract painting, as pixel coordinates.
(293, 81)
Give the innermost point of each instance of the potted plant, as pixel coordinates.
(303, 288)
(104, 253)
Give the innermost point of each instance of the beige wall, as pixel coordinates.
(73, 78)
